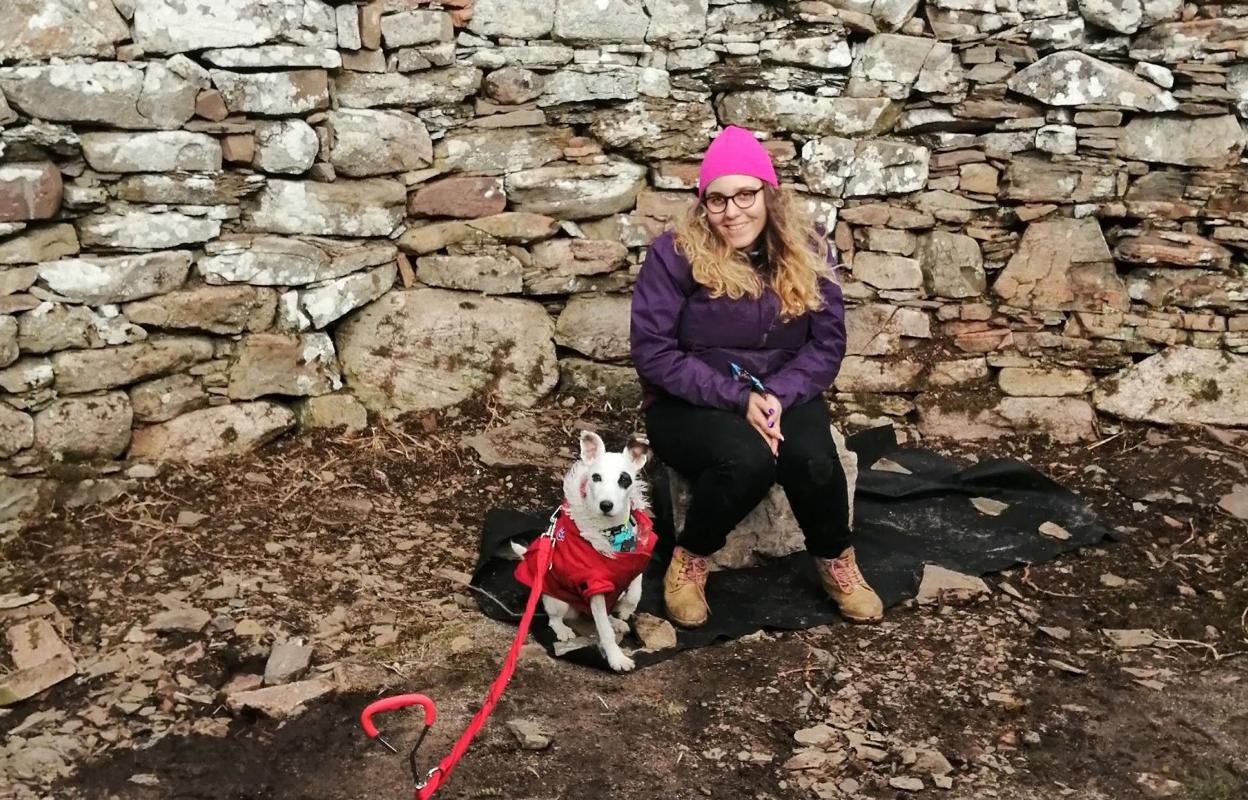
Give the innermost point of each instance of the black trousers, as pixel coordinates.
(731, 469)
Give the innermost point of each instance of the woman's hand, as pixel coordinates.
(763, 412)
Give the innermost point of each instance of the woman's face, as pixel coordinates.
(723, 200)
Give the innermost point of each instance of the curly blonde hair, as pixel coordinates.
(798, 255)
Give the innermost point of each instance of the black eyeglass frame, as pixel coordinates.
(736, 199)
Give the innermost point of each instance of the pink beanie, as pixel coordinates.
(735, 151)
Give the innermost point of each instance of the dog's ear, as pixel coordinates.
(591, 446)
(638, 450)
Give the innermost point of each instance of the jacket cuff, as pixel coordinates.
(743, 399)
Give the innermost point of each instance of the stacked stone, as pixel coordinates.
(1043, 238)
(216, 218)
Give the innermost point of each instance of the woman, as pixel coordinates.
(738, 328)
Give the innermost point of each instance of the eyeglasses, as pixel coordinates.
(718, 203)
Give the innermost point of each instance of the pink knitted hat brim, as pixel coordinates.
(735, 151)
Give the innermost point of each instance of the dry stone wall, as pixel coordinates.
(220, 218)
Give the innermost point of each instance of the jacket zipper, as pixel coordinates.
(765, 300)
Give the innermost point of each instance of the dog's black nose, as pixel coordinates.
(606, 506)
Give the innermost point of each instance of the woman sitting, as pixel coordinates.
(738, 328)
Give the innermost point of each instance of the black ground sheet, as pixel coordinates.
(901, 522)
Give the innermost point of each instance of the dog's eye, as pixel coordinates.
(625, 480)
(596, 478)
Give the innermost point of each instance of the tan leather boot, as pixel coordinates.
(684, 588)
(850, 591)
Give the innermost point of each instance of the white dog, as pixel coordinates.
(603, 538)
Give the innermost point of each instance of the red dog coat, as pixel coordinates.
(578, 571)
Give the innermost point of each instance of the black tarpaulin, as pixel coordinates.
(901, 523)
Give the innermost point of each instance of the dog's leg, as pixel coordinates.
(627, 605)
(556, 610)
(606, 635)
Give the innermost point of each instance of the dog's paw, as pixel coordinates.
(620, 626)
(563, 633)
(620, 662)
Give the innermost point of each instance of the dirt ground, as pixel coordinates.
(360, 545)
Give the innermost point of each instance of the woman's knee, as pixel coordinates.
(750, 469)
(820, 466)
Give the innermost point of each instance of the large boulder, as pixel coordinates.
(770, 530)
(1180, 385)
(430, 348)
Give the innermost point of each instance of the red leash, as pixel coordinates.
(431, 782)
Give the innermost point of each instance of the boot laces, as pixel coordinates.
(845, 573)
(694, 568)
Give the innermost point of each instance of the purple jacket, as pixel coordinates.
(683, 340)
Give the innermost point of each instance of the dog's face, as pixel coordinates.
(604, 487)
